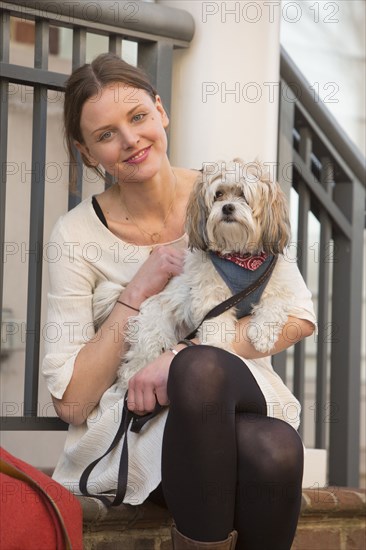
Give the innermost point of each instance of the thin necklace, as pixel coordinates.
(155, 237)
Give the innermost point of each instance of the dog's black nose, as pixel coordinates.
(228, 209)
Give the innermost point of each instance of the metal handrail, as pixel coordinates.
(328, 173)
(144, 17)
(324, 118)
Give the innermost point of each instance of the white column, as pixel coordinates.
(225, 85)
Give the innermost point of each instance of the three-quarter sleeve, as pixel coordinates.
(69, 315)
(287, 275)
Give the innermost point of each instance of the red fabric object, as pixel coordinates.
(28, 520)
(248, 261)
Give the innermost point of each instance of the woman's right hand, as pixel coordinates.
(163, 263)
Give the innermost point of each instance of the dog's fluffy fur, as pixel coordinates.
(234, 207)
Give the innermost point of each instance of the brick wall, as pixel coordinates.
(331, 519)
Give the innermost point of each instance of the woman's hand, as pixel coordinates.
(149, 385)
(163, 263)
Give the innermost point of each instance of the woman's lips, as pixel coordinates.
(138, 157)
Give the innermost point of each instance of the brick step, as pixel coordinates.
(331, 519)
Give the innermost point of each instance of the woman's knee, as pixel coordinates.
(198, 370)
(274, 448)
(287, 451)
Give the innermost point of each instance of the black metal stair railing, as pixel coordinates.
(328, 174)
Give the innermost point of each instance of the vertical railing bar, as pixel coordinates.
(5, 36)
(285, 159)
(78, 59)
(345, 375)
(156, 58)
(299, 351)
(4, 111)
(323, 331)
(41, 46)
(326, 179)
(115, 44)
(34, 295)
(304, 202)
(302, 235)
(78, 48)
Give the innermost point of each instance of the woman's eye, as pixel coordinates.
(218, 195)
(104, 136)
(138, 117)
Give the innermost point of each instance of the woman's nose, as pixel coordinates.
(129, 137)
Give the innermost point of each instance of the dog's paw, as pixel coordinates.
(262, 338)
(263, 347)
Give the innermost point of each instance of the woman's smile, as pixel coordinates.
(139, 157)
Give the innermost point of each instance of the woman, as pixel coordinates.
(224, 456)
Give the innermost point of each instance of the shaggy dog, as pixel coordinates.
(234, 210)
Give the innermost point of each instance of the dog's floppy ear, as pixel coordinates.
(197, 216)
(272, 210)
(277, 232)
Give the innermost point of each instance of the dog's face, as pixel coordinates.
(235, 207)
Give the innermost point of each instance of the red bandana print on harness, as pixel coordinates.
(247, 261)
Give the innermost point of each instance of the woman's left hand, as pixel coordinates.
(149, 385)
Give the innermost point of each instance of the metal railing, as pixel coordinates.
(328, 173)
(157, 30)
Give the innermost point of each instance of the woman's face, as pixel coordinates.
(124, 131)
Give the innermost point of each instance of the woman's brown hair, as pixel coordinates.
(86, 82)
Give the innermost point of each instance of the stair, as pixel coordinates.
(331, 518)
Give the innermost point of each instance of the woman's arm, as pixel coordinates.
(293, 331)
(96, 364)
(301, 317)
(97, 361)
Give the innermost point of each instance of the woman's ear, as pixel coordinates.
(85, 154)
(161, 110)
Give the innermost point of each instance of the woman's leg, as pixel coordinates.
(206, 386)
(270, 466)
(201, 461)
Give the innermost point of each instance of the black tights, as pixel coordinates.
(225, 463)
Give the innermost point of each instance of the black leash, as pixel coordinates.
(137, 422)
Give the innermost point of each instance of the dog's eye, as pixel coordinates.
(218, 195)
(241, 195)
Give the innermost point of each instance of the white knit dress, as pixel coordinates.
(88, 253)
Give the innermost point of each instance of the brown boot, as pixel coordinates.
(180, 542)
